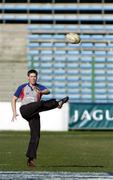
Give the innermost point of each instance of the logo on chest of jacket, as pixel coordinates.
(27, 93)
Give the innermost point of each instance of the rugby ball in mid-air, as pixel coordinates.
(73, 38)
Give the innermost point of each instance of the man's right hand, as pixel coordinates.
(14, 117)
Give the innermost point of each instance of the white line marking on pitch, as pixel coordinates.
(53, 175)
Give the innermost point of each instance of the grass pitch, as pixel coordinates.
(78, 151)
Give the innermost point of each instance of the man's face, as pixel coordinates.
(32, 78)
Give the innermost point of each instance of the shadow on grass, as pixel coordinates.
(69, 166)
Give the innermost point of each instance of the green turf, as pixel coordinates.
(79, 151)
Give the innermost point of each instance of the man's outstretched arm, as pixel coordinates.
(45, 91)
(13, 104)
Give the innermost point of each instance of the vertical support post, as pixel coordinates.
(93, 79)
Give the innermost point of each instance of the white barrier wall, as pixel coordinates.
(53, 120)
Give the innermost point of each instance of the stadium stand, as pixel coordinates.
(83, 71)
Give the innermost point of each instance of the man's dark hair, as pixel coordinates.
(32, 71)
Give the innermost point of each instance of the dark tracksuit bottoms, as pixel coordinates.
(30, 112)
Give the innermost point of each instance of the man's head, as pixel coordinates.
(32, 76)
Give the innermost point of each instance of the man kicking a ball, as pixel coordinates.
(31, 105)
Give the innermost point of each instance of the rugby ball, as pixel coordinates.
(73, 38)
